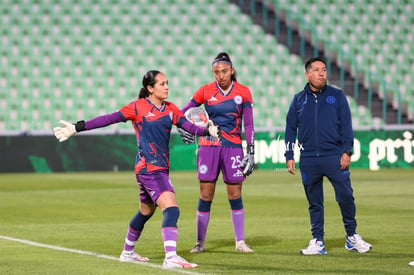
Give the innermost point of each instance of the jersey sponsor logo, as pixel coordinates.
(212, 99)
(330, 99)
(238, 99)
(150, 114)
(238, 174)
(203, 169)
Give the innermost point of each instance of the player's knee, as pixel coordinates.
(206, 195)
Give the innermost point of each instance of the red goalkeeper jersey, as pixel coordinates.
(152, 127)
(226, 110)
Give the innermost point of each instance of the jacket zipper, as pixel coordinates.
(316, 126)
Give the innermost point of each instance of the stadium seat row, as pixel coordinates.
(378, 33)
(76, 60)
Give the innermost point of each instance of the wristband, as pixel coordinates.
(250, 149)
(80, 126)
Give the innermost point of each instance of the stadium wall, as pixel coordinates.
(373, 149)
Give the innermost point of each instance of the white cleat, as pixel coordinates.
(242, 247)
(315, 247)
(177, 262)
(355, 242)
(132, 256)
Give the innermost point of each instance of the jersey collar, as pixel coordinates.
(221, 90)
(155, 106)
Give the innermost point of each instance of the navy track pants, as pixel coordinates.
(313, 169)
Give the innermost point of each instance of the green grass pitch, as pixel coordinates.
(90, 212)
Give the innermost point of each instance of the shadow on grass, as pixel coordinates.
(333, 243)
(217, 245)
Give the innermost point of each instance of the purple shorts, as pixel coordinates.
(152, 185)
(212, 160)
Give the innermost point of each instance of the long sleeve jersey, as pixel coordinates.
(152, 127)
(227, 111)
(321, 121)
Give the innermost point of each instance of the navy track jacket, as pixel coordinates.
(322, 123)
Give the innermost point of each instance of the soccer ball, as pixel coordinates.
(197, 115)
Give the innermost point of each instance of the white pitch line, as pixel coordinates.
(103, 256)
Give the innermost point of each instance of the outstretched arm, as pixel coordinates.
(67, 129)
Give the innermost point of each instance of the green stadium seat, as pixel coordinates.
(373, 23)
(103, 48)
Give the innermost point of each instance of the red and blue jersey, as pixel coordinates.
(152, 127)
(227, 111)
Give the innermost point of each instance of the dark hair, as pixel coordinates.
(224, 57)
(148, 79)
(308, 64)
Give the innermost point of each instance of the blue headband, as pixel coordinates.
(224, 59)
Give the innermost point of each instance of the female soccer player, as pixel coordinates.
(152, 118)
(227, 102)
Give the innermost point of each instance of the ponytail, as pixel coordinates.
(147, 80)
(143, 93)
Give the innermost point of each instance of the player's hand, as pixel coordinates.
(65, 131)
(247, 165)
(186, 136)
(345, 161)
(214, 130)
(291, 166)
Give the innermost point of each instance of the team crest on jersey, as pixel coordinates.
(330, 99)
(171, 115)
(238, 99)
(203, 169)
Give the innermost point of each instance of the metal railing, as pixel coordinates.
(303, 26)
(383, 85)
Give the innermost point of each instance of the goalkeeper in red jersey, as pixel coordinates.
(229, 105)
(152, 118)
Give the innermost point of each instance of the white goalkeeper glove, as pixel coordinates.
(213, 130)
(186, 136)
(247, 165)
(210, 130)
(65, 131)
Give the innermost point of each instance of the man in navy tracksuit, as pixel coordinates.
(320, 117)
